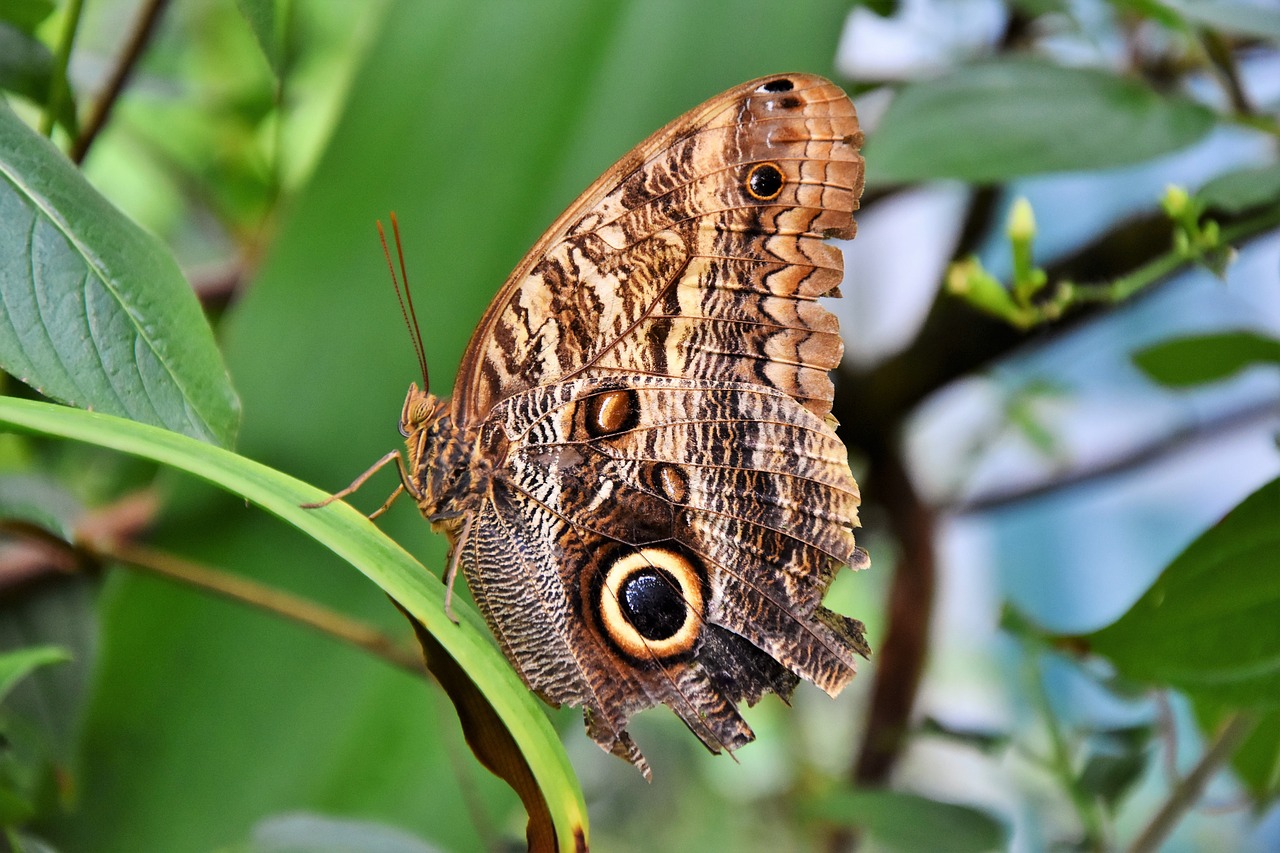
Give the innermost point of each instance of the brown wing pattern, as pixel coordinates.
(738, 487)
(699, 254)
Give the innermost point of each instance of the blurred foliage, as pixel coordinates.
(258, 140)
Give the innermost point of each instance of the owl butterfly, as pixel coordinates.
(638, 471)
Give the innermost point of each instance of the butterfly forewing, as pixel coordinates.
(681, 215)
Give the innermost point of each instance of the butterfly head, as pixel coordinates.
(431, 446)
(421, 409)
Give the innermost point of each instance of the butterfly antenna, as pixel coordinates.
(405, 297)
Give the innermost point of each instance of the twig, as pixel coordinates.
(266, 598)
(58, 88)
(238, 589)
(143, 28)
(1086, 807)
(1184, 795)
(1161, 448)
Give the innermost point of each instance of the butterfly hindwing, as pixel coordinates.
(735, 497)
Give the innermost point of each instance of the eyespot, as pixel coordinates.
(764, 181)
(611, 412)
(650, 604)
(673, 483)
(780, 84)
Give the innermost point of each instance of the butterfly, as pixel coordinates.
(638, 471)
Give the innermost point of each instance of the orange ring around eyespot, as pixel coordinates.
(751, 190)
(620, 629)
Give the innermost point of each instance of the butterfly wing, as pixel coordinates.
(730, 502)
(698, 254)
(667, 501)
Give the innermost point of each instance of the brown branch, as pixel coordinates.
(143, 29)
(901, 657)
(1251, 417)
(94, 551)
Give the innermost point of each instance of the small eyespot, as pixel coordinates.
(764, 182)
(781, 84)
(611, 412)
(673, 483)
(650, 604)
(790, 102)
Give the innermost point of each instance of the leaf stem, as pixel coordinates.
(143, 28)
(1187, 792)
(1085, 806)
(58, 88)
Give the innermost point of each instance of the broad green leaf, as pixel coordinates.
(1183, 362)
(14, 666)
(1232, 16)
(261, 17)
(1000, 120)
(906, 822)
(1247, 189)
(353, 537)
(1115, 761)
(96, 312)
(1210, 625)
(26, 15)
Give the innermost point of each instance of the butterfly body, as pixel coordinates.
(638, 472)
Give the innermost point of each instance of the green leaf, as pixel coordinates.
(26, 15)
(1000, 120)
(96, 312)
(1116, 761)
(354, 538)
(906, 822)
(1210, 625)
(1242, 191)
(1245, 19)
(1183, 362)
(14, 666)
(261, 16)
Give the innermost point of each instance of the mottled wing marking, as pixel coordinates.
(667, 267)
(763, 498)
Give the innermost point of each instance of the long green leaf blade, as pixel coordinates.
(353, 537)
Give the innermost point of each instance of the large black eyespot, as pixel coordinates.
(764, 181)
(781, 84)
(651, 601)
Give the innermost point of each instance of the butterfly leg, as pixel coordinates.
(455, 557)
(363, 478)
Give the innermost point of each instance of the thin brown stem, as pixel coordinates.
(263, 597)
(1186, 793)
(1254, 417)
(139, 36)
(101, 550)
